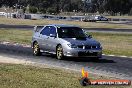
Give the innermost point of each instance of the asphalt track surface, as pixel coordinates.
(110, 66)
(104, 30)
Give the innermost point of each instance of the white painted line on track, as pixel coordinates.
(123, 56)
(110, 55)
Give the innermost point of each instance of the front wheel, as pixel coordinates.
(59, 52)
(36, 49)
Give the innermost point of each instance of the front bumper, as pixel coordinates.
(83, 53)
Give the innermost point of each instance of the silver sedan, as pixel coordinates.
(64, 41)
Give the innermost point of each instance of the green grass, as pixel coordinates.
(120, 17)
(18, 36)
(117, 44)
(19, 76)
(79, 23)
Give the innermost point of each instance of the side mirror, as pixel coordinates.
(53, 35)
(89, 36)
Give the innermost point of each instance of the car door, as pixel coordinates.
(52, 40)
(44, 35)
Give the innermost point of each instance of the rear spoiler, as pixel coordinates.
(38, 28)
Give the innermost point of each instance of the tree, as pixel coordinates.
(110, 6)
(32, 9)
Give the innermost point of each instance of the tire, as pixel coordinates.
(59, 52)
(36, 49)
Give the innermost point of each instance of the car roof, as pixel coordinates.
(61, 25)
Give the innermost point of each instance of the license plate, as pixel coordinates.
(89, 52)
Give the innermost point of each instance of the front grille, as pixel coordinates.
(80, 46)
(94, 47)
(87, 54)
(87, 47)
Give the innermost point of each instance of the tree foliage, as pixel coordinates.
(57, 6)
(33, 9)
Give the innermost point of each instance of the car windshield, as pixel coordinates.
(71, 32)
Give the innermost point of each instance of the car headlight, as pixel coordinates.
(72, 45)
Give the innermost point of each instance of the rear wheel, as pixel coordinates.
(36, 49)
(59, 52)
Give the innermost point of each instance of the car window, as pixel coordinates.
(53, 30)
(46, 31)
(71, 32)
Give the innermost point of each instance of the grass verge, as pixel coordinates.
(120, 17)
(16, 36)
(117, 44)
(20, 76)
(79, 23)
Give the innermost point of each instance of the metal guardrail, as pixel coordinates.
(55, 17)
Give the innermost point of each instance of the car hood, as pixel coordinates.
(85, 41)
